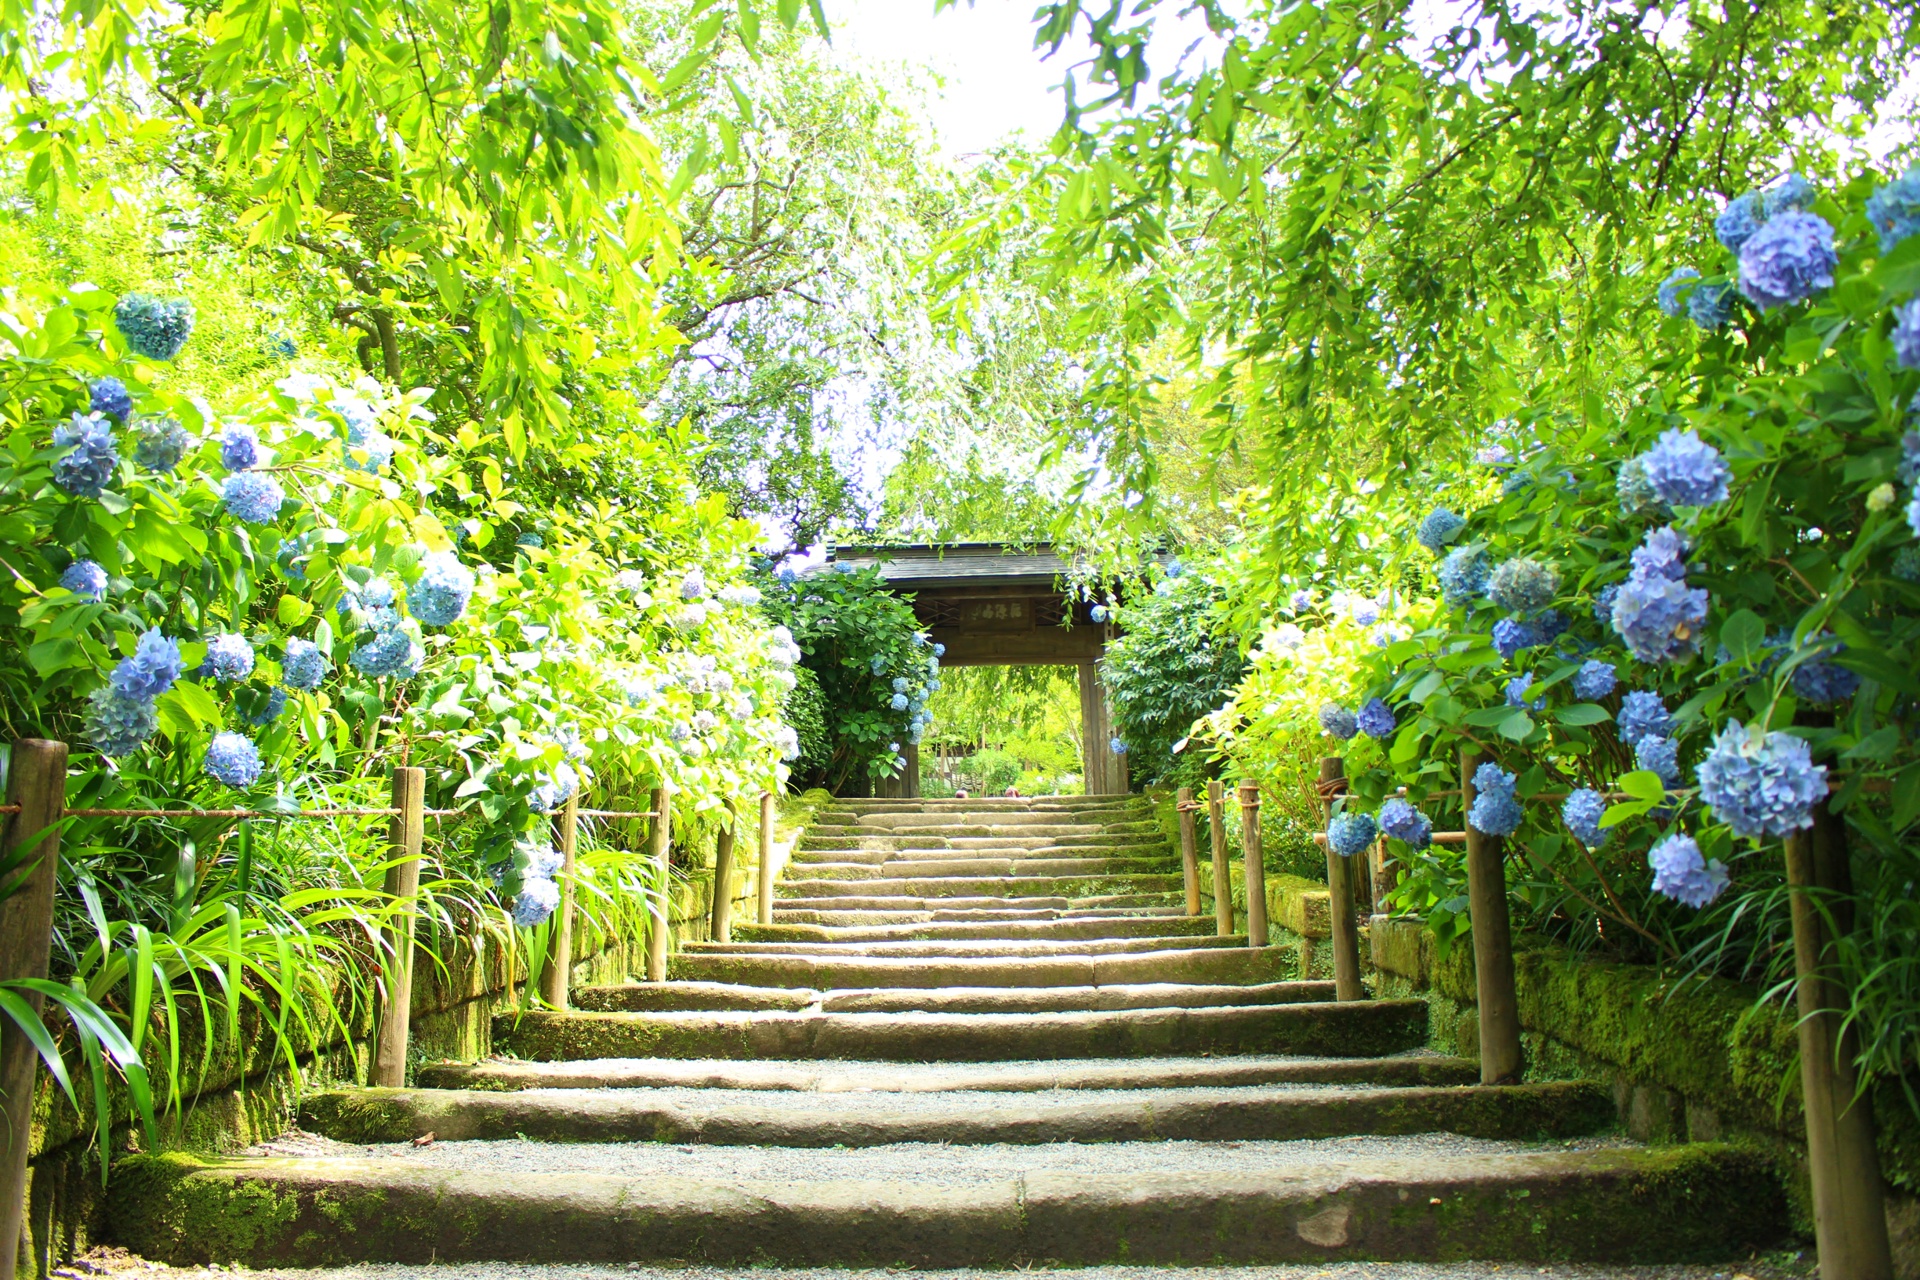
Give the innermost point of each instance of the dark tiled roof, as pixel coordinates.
(957, 564)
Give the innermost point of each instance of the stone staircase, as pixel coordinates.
(976, 1034)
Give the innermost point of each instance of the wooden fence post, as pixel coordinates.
(404, 835)
(1340, 922)
(1499, 1005)
(659, 911)
(764, 881)
(721, 926)
(1222, 873)
(1849, 1209)
(1253, 856)
(1189, 855)
(37, 782)
(559, 972)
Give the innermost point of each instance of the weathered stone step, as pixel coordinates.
(815, 842)
(992, 930)
(1536, 1111)
(1083, 967)
(1067, 1204)
(1413, 1069)
(811, 886)
(1359, 1029)
(860, 916)
(1021, 854)
(856, 902)
(961, 948)
(666, 997)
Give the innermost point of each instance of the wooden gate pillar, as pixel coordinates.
(1106, 772)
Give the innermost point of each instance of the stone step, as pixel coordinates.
(1002, 824)
(875, 916)
(665, 997)
(813, 841)
(1066, 1204)
(963, 948)
(856, 902)
(1359, 1029)
(980, 886)
(1089, 929)
(1083, 967)
(499, 1074)
(1021, 854)
(711, 1117)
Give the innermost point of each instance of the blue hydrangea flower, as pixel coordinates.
(1684, 470)
(239, 447)
(85, 579)
(1517, 694)
(877, 663)
(1822, 681)
(1761, 783)
(939, 651)
(1439, 529)
(391, 652)
(229, 658)
(559, 787)
(1788, 260)
(1603, 604)
(1494, 455)
(1464, 574)
(1906, 335)
(1660, 619)
(1913, 515)
(1351, 833)
(1662, 554)
(1791, 192)
(1549, 625)
(254, 497)
(1660, 756)
(1338, 721)
(159, 444)
(109, 398)
(1594, 680)
(368, 448)
(1399, 819)
(304, 667)
(151, 670)
(269, 710)
(90, 460)
(1642, 715)
(234, 760)
(680, 732)
(1511, 637)
(1364, 610)
(693, 586)
(1907, 470)
(1116, 745)
(439, 595)
(1098, 613)
(1674, 289)
(1523, 584)
(1739, 220)
(1894, 210)
(1680, 873)
(538, 899)
(1582, 812)
(1301, 600)
(117, 722)
(1375, 719)
(1636, 494)
(1906, 564)
(1495, 811)
(154, 327)
(1710, 305)
(898, 702)
(1175, 569)
(899, 684)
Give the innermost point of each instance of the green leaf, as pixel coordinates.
(194, 705)
(1517, 724)
(1644, 785)
(292, 611)
(1744, 634)
(1583, 713)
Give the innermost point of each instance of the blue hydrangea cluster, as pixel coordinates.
(367, 448)
(1301, 600)
(1375, 719)
(1351, 833)
(1906, 335)
(1399, 819)
(1603, 603)
(1338, 722)
(899, 684)
(390, 652)
(898, 702)
(1511, 637)
(1582, 811)
(1823, 681)
(86, 579)
(1636, 494)
(159, 444)
(109, 398)
(1739, 221)
(877, 664)
(1674, 290)
(1118, 746)
(229, 658)
(270, 707)
(1791, 192)
(1464, 574)
(438, 597)
(1761, 783)
(239, 447)
(939, 651)
(1440, 528)
(1686, 471)
(150, 670)
(91, 458)
(1594, 680)
(233, 759)
(154, 327)
(1643, 715)
(1789, 259)
(1659, 756)
(1662, 554)
(538, 899)
(1659, 616)
(1517, 694)
(1523, 584)
(1711, 304)
(1496, 811)
(1549, 625)
(1894, 210)
(1098, 613)
(1680, 873)
(254, 497)
(693, 586)
(555, 791)
(1364, 610)
(117, 723)
(1906, 564)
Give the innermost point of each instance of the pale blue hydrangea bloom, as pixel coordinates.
(877, 663)
(1636, 494)
(1512, 637)
(367, 449)
(538, 898)
(91, 458)
(1375, 719)
(1351, 833)
(1594, 680)
(558, 788)
(1116, 745)
(154, 327)
(1788, 260)
(899, 684)
(747, 597)
(680, 732)
(1582, 812)
(1680, 873)
(1686, 471)
(1301, 600)
(439, 595)
(391, 652)
(1523, 584)
(1494, 455)
(1913, 515)
(304, 667)
(1906, 335)
(1495, 811)
(1338, 721)
(239, 447)
(693, 586)
(117, 723)
(1739, 220)
(1894, 210)
(1643, 714)
(1791, 192)
(1399, 819)
(1663, 554)
(1761, 783)
(1439, 529)
(234, 760)
(1098, 613)
(1363, 610)
(159, 444)
(939, 652)
(1822, 681)
(1907, 470)
(898, 702)
(1674, 289)
(1464, 574)
(109, 398)
(1660, 756)
(1710, 305)
(1603, 604)
(86, 579)
(270, 710)
(229, 658)
(1517, 694)
(1549, 625)
(1660, 619)
(151, 670)
(254, 497)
